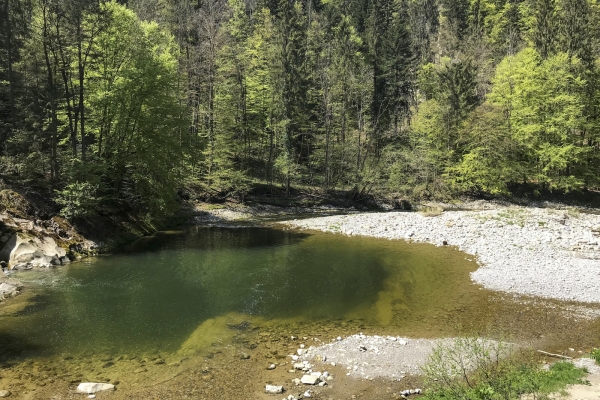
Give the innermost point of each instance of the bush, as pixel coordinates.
(476, 369)
(595, 354)
(78, 200)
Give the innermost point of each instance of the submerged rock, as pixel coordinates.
(92, 387)
(9, 287)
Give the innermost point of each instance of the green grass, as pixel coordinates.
(472, 369)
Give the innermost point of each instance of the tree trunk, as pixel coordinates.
(51, 94)
(81, 70)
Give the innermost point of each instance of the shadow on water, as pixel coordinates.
(37, 303)
(15, 347)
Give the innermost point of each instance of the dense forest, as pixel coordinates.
(124, 103)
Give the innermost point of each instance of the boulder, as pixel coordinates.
(91, 387)
(4, 393)
(9, 287)
(23, 250)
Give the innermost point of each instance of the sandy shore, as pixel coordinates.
(550, 252)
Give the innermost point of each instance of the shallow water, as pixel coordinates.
(154, 296)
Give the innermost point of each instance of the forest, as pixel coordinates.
(123, 103)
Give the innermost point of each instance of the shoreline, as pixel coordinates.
(550, 252)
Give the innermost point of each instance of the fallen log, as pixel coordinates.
(555, 355)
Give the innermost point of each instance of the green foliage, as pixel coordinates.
(595, 354)
(477, 369)
(135, 111)
(424, 97)
(77, 200)
(543, 103)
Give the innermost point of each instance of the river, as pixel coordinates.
(168, 304)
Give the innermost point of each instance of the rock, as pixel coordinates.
(300, 351)
(322, 383)
(92, 396)
(91, 387)
(22, 249)
(4, 393)
(296, 381)
(401, 204)
(245, 356)
(108, 364)
(271, 367)
(339, 338)
(9, 287)
(310, 380)
(140, 370)
(308, 393)
(362, 347)
(272, 389)
(298, 366)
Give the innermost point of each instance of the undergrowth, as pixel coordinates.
(595, 354)
(476, 369)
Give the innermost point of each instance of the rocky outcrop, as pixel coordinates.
(23, 251)
(31, 239)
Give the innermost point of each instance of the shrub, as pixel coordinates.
(77, 200)
(477, 369)
(595, 354)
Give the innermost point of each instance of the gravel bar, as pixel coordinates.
(540, 251)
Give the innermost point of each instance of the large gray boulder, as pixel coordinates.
(23, 250)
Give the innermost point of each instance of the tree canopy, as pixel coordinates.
(122, 103)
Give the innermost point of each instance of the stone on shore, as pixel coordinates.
(310, 379)
(272, 389)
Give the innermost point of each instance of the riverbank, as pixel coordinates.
(551, 251)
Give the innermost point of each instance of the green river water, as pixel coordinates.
(188, 293)
(156, 294)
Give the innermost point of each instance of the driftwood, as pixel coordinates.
(555, 355)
